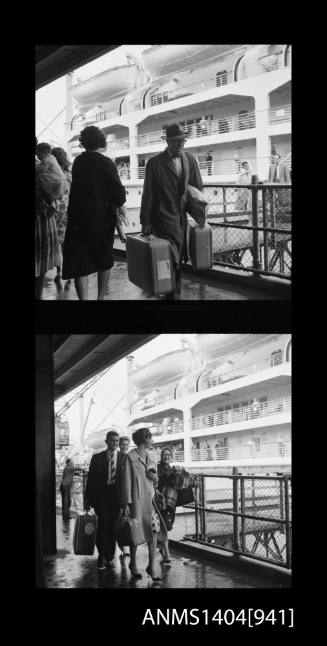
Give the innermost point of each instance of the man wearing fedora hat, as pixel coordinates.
(163, 207)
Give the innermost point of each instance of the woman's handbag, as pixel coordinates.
(185, 496)
(129, 531)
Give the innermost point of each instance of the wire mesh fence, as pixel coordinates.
(252, 226)
(249, 515)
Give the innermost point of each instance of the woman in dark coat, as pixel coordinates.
(96, 193)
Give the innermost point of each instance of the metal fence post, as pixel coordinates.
(265, 233)
(224, 203)
(272, 217)
(242, 483)
(236, 544)
(255, 223)
(196, 511)
(202, 511)
(287, 526)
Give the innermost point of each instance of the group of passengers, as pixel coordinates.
(124, 482)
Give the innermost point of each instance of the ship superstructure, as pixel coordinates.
(224, 401)
(233, 101)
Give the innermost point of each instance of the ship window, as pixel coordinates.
(240, 70)
(221, 78)
(276, 358)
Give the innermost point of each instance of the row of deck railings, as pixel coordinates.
(247, 515)
(251, 228)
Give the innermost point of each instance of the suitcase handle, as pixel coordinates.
(147, 237)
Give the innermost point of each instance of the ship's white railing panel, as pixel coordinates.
(224, 78)
(242, 414)
(250, 449)
(163, 429)
(118, 144)
(280, 114)
(227, 166)
(244, 371)
(210, 127)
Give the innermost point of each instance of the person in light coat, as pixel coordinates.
(137, 498)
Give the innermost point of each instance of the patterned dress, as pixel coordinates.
(47, 248)
(61, 206)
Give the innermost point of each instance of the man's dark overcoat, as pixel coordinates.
(163, 204)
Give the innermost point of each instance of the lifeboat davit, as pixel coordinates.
(103, 86)
(160, 60)
(169, 367)
(213, 346)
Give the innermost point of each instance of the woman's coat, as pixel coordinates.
(138, 491)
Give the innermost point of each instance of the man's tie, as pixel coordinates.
(112, 469)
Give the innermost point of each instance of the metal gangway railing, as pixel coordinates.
(252, 226)
(245, 515)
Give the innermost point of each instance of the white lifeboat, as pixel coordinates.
(160, 60)
(169, 367)
(103, 86)
(213, 346)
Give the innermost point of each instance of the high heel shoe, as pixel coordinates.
(135, 574)
(165, 560)
(149, 573)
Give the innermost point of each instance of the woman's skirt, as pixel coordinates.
(88, 248)
(47, 247)
(155, 521)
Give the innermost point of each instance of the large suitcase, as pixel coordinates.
(84, 534)
(149, 263)
(199, 245)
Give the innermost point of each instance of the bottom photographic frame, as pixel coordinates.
(218, 410)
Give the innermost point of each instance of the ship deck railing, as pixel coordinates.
(251, 450)
(242, 414)
(246, 515)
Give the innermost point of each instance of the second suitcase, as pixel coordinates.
(149, 264)
(199, 245)
(85, 534)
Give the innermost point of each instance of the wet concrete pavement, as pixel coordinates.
(66, 570)
(121, 289)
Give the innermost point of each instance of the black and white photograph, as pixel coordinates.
(163, 172)
(163, 442)
(172, 453)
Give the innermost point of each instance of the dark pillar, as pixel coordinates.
(45, 442)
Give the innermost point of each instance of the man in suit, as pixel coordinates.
(163, 207)
(278, 173)
(102, 493)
